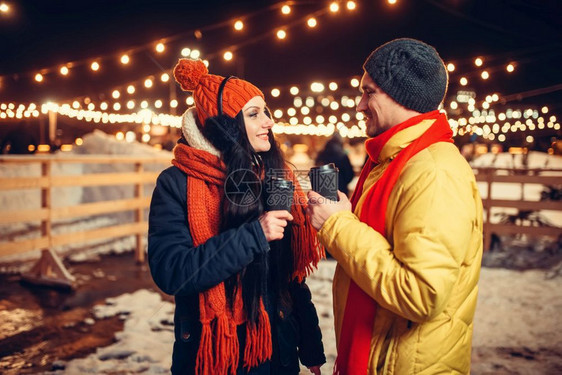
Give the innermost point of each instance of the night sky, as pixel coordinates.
(46, 34)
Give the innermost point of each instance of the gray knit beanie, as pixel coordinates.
(410, 72)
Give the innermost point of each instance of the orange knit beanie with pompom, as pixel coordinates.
(192, 75)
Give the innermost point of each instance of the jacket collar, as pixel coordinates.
(403, 138)
(192, 133)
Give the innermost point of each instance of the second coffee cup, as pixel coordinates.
(324, 180)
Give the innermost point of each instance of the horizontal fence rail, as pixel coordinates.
(519, 224)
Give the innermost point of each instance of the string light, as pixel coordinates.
(195, 54)
(285, 9)
(125, 59)
(281, 34)
(510, 68)
(228, 56)
(185, 52)
(4, 8)
(275, 93)
(311, 22)
(148, 83)
(392, 2)
(95, 66)
(451, 67)
(334, 7)
(485, 75)
(351, 5)
(317, 87)
(160, 47)
(39, 77)
(165, 77)
(463, 81)
(115, 94)
(63, 70)
(238, 25)
(294, 90)
(478, 61)
(131, 89)
(354, 82)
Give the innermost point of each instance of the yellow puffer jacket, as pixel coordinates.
(424, 275)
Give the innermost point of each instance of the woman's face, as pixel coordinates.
(258, 124)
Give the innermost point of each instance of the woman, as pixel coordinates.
(236, 271)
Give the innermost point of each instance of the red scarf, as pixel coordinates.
(219, 348)
(360, 309)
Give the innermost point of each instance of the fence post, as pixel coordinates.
(139, 212)
(49, 269)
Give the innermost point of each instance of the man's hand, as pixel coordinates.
(320, 208)
(273, 224)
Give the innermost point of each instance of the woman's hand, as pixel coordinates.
(273, 224)
(315, 370)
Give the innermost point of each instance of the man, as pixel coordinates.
(409, 253)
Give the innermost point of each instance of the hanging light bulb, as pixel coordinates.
(160, 47)
(285, 9)
(95, 66)
(64, 70)
(238, 25)
(281, 34)
(311, 22)
(125, 59)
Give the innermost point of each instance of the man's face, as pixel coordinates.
(379, 108)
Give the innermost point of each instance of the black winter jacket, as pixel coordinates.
(184, 271)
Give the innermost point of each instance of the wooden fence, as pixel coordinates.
(519, 223)
(139, 176)
(46, 214)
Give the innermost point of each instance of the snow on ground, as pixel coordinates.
(144, 345)
(515, 310)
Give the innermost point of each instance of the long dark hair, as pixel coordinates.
(238, 208)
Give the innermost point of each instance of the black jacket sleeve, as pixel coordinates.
(311, 349)
(179, 268)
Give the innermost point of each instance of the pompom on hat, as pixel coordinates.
(193, 75)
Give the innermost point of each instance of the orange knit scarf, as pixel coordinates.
(219, 348)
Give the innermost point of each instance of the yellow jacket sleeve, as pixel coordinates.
(429, 222)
